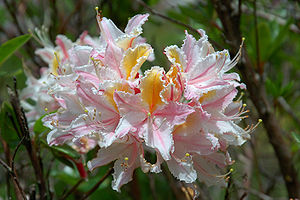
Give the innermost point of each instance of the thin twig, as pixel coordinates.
(288, 109)
(91, 191)
(15, 179)
(154, 12)
(15, 153)
(73, 189)
(32, 151)
(258, 65)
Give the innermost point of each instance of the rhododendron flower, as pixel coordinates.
(186, 116)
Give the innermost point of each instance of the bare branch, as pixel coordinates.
(19, 191)
(156, 13)
(91, 191)
(288, 109)
(73, 189)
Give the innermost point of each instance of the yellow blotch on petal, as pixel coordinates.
(55, 63)
(191, 121)
(109, 92)
(172, 53)
(207, 96)
(125, 42)
(151, 87)
(133, 60)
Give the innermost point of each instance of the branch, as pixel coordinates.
(288, 109)
(19, 191)
(31, 150)
(72, 189)
(256, 88)
(154, 12)
(91, 191)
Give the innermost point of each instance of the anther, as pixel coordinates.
(46, 109)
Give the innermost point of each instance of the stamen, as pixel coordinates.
(46, 109)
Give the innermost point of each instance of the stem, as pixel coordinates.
(72, 189)
(91, 191)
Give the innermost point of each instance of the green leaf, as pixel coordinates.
(38, 126)
(11, 46)
(296, 137)
(7, 122)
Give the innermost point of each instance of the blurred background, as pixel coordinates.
(266, 167)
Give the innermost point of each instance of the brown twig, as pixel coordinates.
(15, 153)
(256, 88)
(19, 192)
(73, 189)
(258, 64)
(91, 191)
(154, 12)
(175, 187)
(32, 151)
(288, 109)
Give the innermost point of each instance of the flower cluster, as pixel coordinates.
(186, 116)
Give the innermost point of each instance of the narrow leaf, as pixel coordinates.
(11, 46)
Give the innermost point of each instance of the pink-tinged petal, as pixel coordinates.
(105, 73)
(233, 108)
(90, 97)
(109, 30)
(207, 170)
(64, 43)
(208, 67)
(128, 123)
(47, 54)
(176, 56)
(219, 99)
(174, 113)
(55, 137)
(80, 55)
(228, 130)
(98, 55)
(191, 50)
(88, 77)
(107, 155)
(113, 57)
(127, 102)
(135, 23)
(182, 169)
(158, 135)
(121, 176)
(72, 102)
(200, 143)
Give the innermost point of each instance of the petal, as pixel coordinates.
(174, 113)
(64, 43)
(107, 155)
(109, 30)
(113, 57)
(207, 169)
(183, 170)
(151, 87)
(121, 175)
(133, 60)
(176, 56)
(135, 23)
(158, 135)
